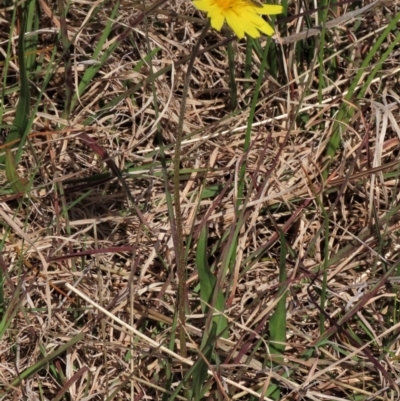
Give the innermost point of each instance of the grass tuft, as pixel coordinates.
(190, 217)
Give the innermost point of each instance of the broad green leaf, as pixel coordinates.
(17, 184)
(208, 284)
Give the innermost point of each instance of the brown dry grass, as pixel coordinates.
(67, 231)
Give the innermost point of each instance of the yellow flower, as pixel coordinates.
(243, 16)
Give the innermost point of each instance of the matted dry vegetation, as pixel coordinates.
(289, 197)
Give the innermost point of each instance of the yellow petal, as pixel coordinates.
(266, 28)
(202, 5)
(270, 9)
(236, 24)
(260, 24)
(217, 22)
(241, 16)
(252, 31)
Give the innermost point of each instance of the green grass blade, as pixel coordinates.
(200, 371)
(67, 61)
(94, 69)
(346, 112)
(2, 282)
(378, 65)
(232, 79)
(42, 363)
(16, 183)
(248, 64)
(33, 24)
(23, 108)
(208, 284)
(5, 72)
(12, 309)
(206, 279)
(250, 119)
(322, 15)
(325, 271)
(22, 114)
(277, 322)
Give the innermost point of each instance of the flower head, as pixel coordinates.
(243, 16)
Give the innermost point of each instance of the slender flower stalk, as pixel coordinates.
(242, 16)
(180, 251)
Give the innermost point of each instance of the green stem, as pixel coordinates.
(179, 246)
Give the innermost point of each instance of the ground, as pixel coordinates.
(275, 274)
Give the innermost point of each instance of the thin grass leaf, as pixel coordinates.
(232, 78)
(322, 16)
(17, 184)
(248, 63)
(31, 45)
(206, 278)
(277, 322)
(69, 87)
(20, 123)
(168, 378)
(250, 120)
(200, 371)
(94, 69)
(325, 271)
(346, 112)
(11, 311)
(2, 284)
(4, 92)
(21, 141)
(378, 66)
(78, 221)
(208, 285)
(29, 372)
(131, 91)
(68, 383)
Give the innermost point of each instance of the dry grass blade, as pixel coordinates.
(153, 343)
(329, 24)
(290, 226)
